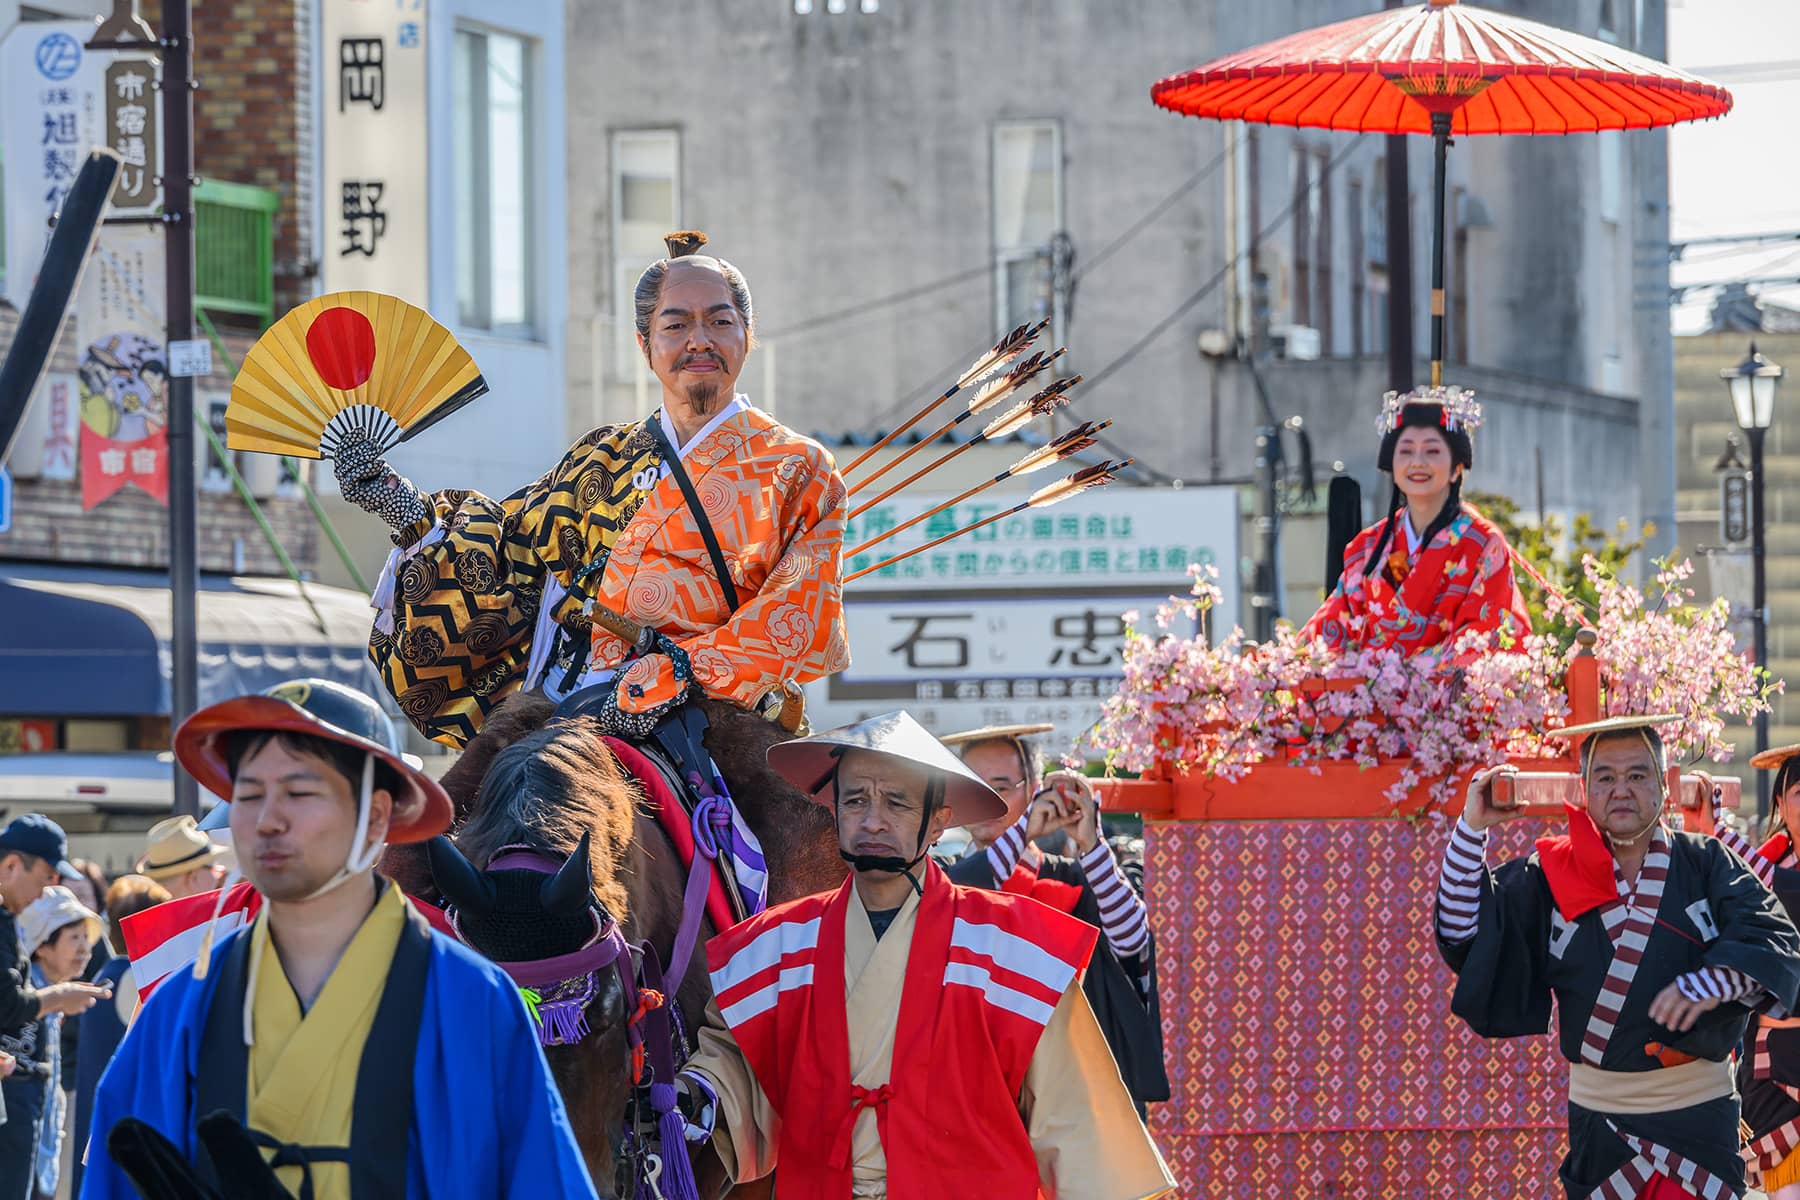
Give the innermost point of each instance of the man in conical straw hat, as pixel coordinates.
(738, 570)
(338, 1035)
(1120, 984)
(905, 1036)
(1656, 945)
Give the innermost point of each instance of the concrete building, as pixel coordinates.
(900, 180)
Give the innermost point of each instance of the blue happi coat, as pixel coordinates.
(487, 1119)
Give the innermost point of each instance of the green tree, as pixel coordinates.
(1557, 556)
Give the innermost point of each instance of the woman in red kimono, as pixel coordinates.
(1434, 568)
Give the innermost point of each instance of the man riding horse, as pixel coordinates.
(709, 524)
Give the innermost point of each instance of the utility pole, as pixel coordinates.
(1399, 259)
(178, 228)
(126, 30)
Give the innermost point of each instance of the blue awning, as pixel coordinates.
(94, 641)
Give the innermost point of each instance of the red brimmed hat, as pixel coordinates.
(316, 708)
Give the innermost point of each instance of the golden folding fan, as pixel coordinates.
(350, 362)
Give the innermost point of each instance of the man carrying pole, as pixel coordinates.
(1655, 944)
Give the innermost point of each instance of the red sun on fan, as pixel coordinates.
(341, 344)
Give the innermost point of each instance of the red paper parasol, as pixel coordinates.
(1442, 68)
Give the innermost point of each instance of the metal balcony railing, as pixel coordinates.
(234, 249)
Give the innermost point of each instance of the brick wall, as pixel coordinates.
(253, 59)
(131, 529)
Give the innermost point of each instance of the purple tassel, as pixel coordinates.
(678, 1174)
(562, 1011)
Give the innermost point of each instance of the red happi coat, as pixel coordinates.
(1463, 580)
(983, 975)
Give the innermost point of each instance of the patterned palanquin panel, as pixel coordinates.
(1306, 1014)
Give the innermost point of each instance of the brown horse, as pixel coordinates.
(554, 787)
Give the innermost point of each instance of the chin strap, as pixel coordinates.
(362, 858)
(893, 864)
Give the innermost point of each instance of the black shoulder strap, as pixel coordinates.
(381, 1113)
(693, 503)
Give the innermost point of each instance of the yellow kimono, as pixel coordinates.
(303, 1066)
(1084, 1132)
(460, 626)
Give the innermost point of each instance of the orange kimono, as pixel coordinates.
(492, 595)
(1423, 596)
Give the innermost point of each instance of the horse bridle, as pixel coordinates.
(559, 990)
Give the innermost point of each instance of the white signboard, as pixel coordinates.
(190, 359)
(50, 114)
(45, 446)
(1022, 621)
(374, 139)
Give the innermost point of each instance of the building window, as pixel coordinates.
(1323, 252)
(1612, 172)
(1458, 349)
(1359, 271)
(1027, 200)
(495, 280)
(1310, 298)
(1609, 20)
(646, 204)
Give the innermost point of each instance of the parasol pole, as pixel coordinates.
(1440, 137)
(1098, 475)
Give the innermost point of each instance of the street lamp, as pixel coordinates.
(1752, 386)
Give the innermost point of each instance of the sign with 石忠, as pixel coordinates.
(1023, 620)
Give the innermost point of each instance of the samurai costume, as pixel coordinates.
(1649, 1108)
(415, 1072)
(489, 596)
(958, 1056)
(1768, 1075)
(1415, 589)
(1120, 982)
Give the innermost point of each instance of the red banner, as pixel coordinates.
(108, 465)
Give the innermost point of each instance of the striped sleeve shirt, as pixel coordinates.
(1459, 884)
(1122, 917)
(1739, 845)
(1459, 905)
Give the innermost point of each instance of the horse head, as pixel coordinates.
(533, 881)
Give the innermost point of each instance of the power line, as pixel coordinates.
(901, 297)
(1107, 251)
(1212, 284)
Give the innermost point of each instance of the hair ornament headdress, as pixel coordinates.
(1461, 411)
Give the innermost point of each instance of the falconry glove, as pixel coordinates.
(367, 481)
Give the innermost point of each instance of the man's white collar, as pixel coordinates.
(739, 403)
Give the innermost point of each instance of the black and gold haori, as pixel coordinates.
(466, 606)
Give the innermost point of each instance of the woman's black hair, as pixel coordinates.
(241, 744)
(1397, 502)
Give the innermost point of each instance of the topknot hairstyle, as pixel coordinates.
(686, 243)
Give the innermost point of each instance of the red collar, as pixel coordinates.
(1578, 866)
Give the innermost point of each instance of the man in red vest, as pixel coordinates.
(958, 1055)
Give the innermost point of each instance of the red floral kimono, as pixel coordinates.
(1463, 580)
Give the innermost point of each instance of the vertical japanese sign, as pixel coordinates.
(131, 130)
(1022, 621)
(49, 116)
(374, 133)
(124, 370)
(45, 446)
